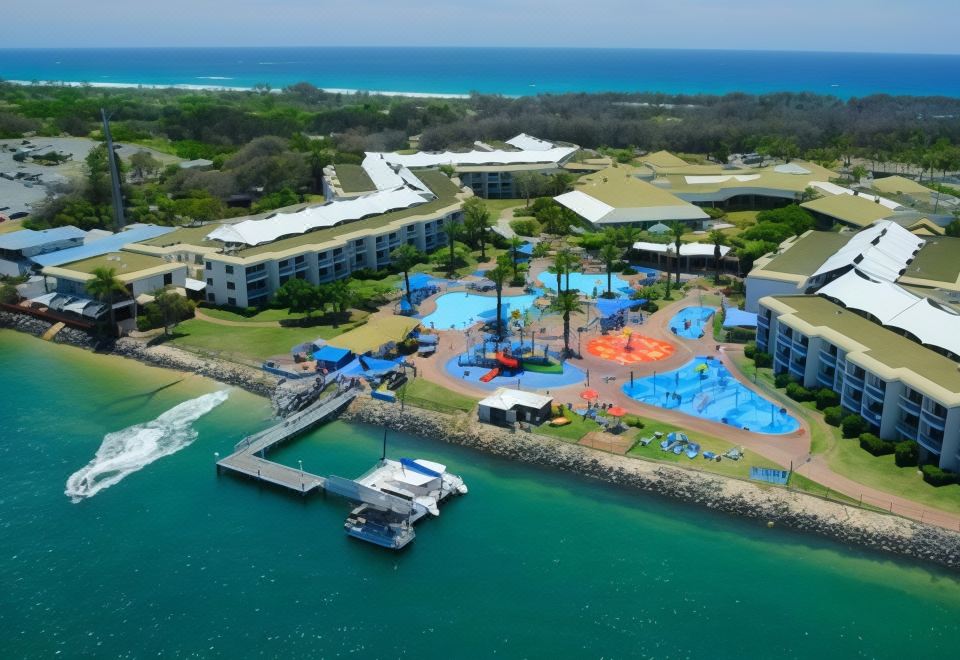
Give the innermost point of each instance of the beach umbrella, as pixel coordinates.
(589, 395)
(616, 411)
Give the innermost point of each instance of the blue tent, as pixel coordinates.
(738, 318)
(332, 358)
(418, 281)
(405, 306)
(526, 249)
(368, 366)
(607, 308)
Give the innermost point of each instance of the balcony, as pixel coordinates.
(909, 406)
(796, 369)
(932, 419)
(871, 416)
(851, 403)
(800, 348)
(763, 321)
(930, 444)
(853, 379)
(827, 357)
(258, 275)
(826, 380)
(906, 430)
(875, 392)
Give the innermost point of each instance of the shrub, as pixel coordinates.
(907, 453)
(827, 398)
(144, 324)
(650, 306)
(629, 270)
(875, 445)
(8, 294)
(750, 349)
(525, 227)
(833, 415)
(762, 360)
(633, 420)
(782, 380)
(938, 477)
(798, 392)
(853, 425)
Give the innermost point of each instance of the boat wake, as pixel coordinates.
(135, 447)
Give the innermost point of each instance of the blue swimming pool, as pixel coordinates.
(462, 309)
(586, 283)
(692, 322)
(704, 388)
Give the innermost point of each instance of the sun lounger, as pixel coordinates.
(646, 441)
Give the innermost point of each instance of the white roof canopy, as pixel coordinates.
(834, 189)
(686, 249)
(255, 232)
(506, 399)
(496, 157)
(882, 250)
(529, 143)
(584, 205)
(386, 176)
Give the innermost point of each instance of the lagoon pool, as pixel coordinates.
(462, 309)
(587, 282)
(704, 388)
(692, 322)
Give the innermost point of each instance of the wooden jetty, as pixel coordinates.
(249, 456)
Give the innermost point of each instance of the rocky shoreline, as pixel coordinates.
(774, 506)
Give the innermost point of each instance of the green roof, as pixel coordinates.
(442, 187)
(187, 236)
(938, 260)
(353, 178)
(883, 345)
(663, 159)
(893, 185)
(617, 187)
(807, 253)
(850, 209)
(122, 262)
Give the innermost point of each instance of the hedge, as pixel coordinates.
(782, 380)
(762, 360)
(875, 445)
(833, 415)
(827, 398)
(907, 453)
(798, 392)
(938, 477)
(853, 425)
(750, 349)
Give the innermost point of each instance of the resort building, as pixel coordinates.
(142, 274)
(870, 315)
(856, 210)
(487, 172)
(693, 256)
(18, 248)
(614, 196)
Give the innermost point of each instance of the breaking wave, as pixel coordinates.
(135, 447)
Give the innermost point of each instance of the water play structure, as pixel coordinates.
(692, 322)
(629, 347)
(704, 388)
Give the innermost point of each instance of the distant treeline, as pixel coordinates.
(207, 124)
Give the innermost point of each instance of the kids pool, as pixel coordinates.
(691, 322)
(587, 282)
(462, 309)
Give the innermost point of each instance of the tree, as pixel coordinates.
(403, 259)
(172, 308)
(498, 275)
(476, 220)
(299, 296)
(453, 230)
(953, 229)
(515, 244)
(144, 164)
(610, 255)
(566, 303)
(858, 173)
(718, 239)
(677, 229)
(8, 294)
(340, 295)
(529, 184)
(105, 287)
(560, 182)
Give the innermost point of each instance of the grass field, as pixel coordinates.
(572, 432)
(264, 315)
(430, 396)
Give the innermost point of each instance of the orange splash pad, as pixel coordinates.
(641, 348)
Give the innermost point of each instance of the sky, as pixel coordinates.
(902, 26)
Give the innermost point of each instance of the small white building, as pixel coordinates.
(506, 406)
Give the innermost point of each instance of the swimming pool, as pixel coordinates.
(707, 390)
(587, 282)
(692, 322)
(462, 309)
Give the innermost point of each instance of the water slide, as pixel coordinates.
(507, 361)
(490, 375)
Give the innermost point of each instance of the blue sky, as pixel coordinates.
(918, 26)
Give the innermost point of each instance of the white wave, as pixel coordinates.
(124, 452)
(214, 78)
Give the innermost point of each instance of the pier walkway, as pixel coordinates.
(249, 458)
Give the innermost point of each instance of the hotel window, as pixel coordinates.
(208, 266)
(231, 286)
(232, 302)
(167, 279)
(210, 281)
(229, 270)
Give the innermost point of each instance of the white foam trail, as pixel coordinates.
(124, 452)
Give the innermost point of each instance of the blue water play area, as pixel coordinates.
(462, 309)
(587, 283)
(704, 388)
(692, 322)
(481, 368)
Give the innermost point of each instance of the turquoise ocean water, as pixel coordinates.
(511, 71)
(175, 561)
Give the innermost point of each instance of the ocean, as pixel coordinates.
(508, 71)
(118, 538)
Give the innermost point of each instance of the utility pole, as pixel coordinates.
(114, 173)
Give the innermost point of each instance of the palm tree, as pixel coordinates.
(453, 230)
(566, 303)
(104, 286)
(477, 220)
(628, 235)
(404, 258)
(559, 263)
(515, 244)
(678, 229)
(718, 239)
(609, 254)
(498, 275)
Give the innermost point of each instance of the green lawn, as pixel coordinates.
(263, 315)
(424, 394)
(496, 206)
(572, 432)
(248, 345)
(552, 368)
